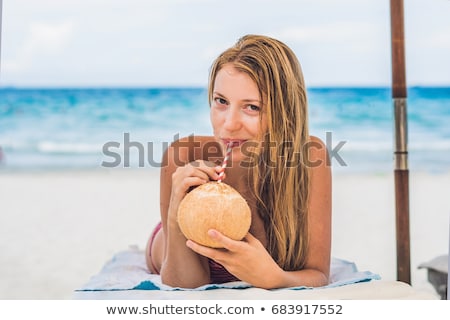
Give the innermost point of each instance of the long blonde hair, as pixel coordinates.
(281, 176)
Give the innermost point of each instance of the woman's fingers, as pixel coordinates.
(230, 246)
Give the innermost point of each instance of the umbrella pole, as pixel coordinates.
(401, 172)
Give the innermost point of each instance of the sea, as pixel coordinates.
(89, 128)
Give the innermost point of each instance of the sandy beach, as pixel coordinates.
(58, 228)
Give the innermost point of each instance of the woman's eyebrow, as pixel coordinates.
(243, 100)
(219, 94)
(252, 100)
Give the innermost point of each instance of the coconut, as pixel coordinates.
(214, 205)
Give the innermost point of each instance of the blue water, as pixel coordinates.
(83, 128)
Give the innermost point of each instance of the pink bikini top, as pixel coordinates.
(219, 274)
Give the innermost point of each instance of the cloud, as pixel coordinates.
(42, 40)
(437, 40)
(166, 42)
(338, 32)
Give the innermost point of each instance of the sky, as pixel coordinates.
(104, 43)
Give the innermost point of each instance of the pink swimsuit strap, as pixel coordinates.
(152, 238)
(218, 274)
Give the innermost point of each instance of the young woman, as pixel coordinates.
(258, 105)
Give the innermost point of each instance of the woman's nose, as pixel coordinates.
(233, 119)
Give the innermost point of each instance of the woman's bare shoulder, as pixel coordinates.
(318, 153)
(190, 148)
(316, 140)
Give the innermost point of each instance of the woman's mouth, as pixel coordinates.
(232, 143)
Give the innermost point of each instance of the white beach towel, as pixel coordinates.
(127, 271)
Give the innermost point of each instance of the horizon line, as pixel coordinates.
(197, 87)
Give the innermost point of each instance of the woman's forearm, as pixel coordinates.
(181, 266)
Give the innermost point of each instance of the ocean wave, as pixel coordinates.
(68, 148)
(49, 147)
(70, 127)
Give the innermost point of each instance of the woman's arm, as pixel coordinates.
(249, 260)
(317, 269)
(181, 266)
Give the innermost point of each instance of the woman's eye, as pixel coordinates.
(221, 101)
(252, 107)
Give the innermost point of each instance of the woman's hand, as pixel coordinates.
(247, 259)
(181, 266)
(191, 175)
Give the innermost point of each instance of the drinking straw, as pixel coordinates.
(225, 160)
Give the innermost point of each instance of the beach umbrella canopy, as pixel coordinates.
(401, 172)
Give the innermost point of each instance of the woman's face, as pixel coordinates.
(237, 114)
